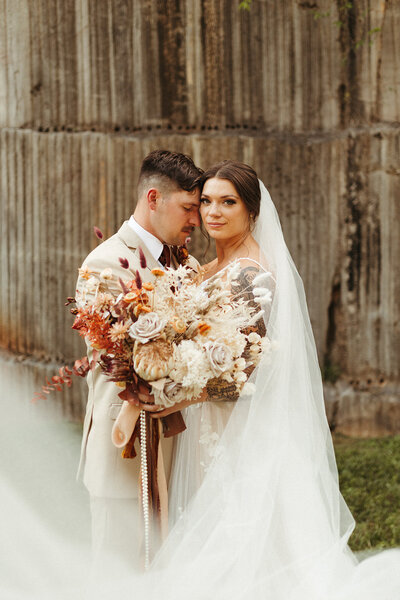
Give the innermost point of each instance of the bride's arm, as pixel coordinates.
(219, 390)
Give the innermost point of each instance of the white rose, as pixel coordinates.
(169, 394)
(220, 357)
(148, 327)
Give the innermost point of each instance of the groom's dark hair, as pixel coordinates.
(170, 171)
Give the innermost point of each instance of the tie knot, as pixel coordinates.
(165, 256)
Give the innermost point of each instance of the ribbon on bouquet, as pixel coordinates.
(127, 428)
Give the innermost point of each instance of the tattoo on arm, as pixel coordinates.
(224, 391)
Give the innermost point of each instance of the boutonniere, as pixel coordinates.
(181, 254)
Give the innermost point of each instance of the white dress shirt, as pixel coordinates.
(153, 244)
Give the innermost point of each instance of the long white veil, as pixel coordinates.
(266, 519)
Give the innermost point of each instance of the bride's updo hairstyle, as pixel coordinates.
(243, 177)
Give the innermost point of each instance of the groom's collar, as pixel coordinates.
(154, 245)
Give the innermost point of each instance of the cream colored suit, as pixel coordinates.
(105, 473)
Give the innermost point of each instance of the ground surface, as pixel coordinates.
(369, 471)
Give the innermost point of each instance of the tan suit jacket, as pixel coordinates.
(105, 472)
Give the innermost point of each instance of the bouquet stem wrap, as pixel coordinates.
(124, 434)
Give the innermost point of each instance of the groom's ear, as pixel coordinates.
(152, 196)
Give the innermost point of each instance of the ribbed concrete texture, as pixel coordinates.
(306, 92)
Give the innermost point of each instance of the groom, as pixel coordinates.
(167, 211)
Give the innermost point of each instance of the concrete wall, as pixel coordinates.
(306, 92)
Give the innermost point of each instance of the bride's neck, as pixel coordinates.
(229, 249)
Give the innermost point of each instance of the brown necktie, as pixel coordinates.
(165, 256)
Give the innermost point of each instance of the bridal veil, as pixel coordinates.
(268, 520)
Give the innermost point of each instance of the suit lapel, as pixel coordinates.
(134, 242)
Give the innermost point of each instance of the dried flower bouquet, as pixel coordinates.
(173, 334)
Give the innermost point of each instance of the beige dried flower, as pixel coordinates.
(106, 274)
(119, 331)
(178, 325)
(103, 301)
(153, 360)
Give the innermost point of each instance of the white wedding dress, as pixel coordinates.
(257, 510)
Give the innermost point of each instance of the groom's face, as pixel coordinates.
(176, 215)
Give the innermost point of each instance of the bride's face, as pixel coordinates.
(223, 212)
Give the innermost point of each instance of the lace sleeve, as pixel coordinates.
(219, 390)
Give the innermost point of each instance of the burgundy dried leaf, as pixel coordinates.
(129, 395)
(124, 262)
(138, 280)
(123, 286)
(80, 368)
(98, 233)
(143, 261)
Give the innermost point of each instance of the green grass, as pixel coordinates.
(369, 472)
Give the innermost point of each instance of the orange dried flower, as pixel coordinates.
(178, 325)
(158, 272)
(85, 272)
(95, 328)
(141, 308)
(203, 327)
(130, 297)
(149, 286)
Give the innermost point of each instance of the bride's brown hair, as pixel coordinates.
(243, 177)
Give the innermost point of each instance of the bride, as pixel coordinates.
(256, 511)
(254, 496)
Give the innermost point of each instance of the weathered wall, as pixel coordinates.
(306, 92)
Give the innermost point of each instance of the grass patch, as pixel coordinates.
(369, 473)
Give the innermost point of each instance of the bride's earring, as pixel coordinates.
(252, 221)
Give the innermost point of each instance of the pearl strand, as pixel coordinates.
(145, 489)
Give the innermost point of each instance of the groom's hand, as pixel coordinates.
(164, 412)
(146, 399)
